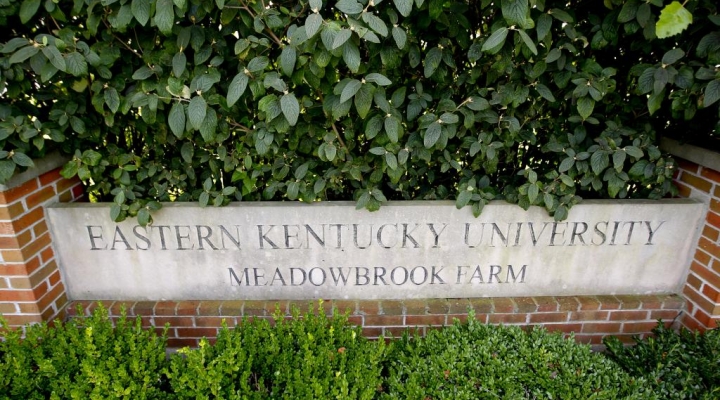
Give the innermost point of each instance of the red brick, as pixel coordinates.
(51, 296)
(40, 228)
(462, 318)
(173, 321)
(609, 303)
(683, 189)
(16, 295)
(383, 320)
(698, 299)
(50, 177)
(196, 332)
(415, 307)
(438, 306)
(482, 305)
(664, 314)
(458, 306)
(8, 308)
(503, 305)
(546, 304)
(711, 174)
(187, 307)
(391, 307)
(630, 302)
(341, 305)
(12, 256)
(78, 191)
(588, 339)
(38, 244)
(715, 206)
(588, 303)
(702, 257)
(564, 328)
(11, 211)
(20, 282)
(174, 343)
(39, 197)
(507, 318)
(568, 303)
(691, 323)
(525, 304)
(369, 307)
(9, 243)
(711, 293)
(696, 182)
(372, 332)
(686, 165)
(22, 269)
(65, 184)
(21, 191)
(21, 320)
(209, 308)
(27, 220)
(714, 220)
(3, 283)
(541, 318)
(634, 315)
(589, 315)
(394, 331)
(706, 274)
(601, 327)
(215, 322)
(422, 320)
(231, 307)
(694, 281)
(65, 197)
(716, 193)
(672, 301)
(356, 320)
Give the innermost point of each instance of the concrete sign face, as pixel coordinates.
(405, 250)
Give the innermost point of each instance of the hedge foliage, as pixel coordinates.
(538, 102)
(313, 356)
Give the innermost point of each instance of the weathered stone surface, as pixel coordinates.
(406, 250)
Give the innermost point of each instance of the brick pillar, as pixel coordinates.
(31, 288)
(702, 288)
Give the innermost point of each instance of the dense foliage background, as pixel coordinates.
(532, 101)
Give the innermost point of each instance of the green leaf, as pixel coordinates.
(561, 213)
(112, 99)
(363, 100)
(24, 53)
(349, 90)
(258, 64)
(544, 24)
(330, 152)
(674, 18)
(207, 129)
(351, 56)
(566, 164)
(545, 92)
(477, 103)
(392, 128)
(655, 101)
(197, 111)
(378, 151)
(340, 38)
(599, 161)
(28, 9)
(22, 159)
(204, 199)
(287, 60)
(7, 169)
(404, 7)
(378, 79)
(142, 73)
(634, 151)
(585, 106)
(561, 15)
(399, 36)
(176, 119)
(54, 56)
(237, 88)
(619, 159)
(496, 39)
(115, 210)
(141, 11)
(673, 56)
(312, 24)
(628, 11)
(187, 151)
(712, 93)
(165, 16)
(533, 192)
(528, 41)
(179, 62)
(290, 108)
(432, 134)
(432, 61)
(349, 6)
(376, 24)
(516, 12)
(315, 5)
(14, 44)
(301, 171)
(463, 198)
(143, 217)
(391, 160)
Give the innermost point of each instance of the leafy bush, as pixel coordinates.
(476, 361)
(220, 100)
(684, 365)
(312, 357)
(82, 359)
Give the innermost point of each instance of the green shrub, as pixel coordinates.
(308, 357)
(477, 361)
(83, 359)
(678, 365)
(538, 102)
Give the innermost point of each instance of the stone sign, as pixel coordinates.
(412, 249)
